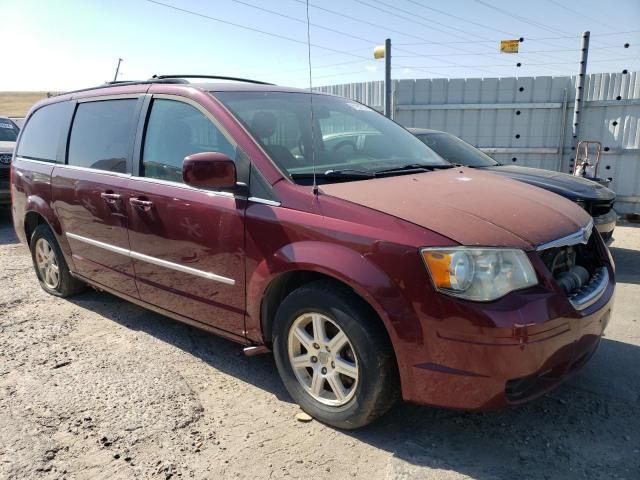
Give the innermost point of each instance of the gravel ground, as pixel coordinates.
(94, 387)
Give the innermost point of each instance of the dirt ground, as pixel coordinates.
(97, 388)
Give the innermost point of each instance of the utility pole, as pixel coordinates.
(115, 77)
(387, 78)
(385, 52)
(580, 83)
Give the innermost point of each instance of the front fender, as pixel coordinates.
(347, 266)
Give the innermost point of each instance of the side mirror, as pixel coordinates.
(212, 170)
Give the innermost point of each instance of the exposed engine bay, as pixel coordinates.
(572, 266)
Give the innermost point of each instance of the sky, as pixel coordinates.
(58, 45)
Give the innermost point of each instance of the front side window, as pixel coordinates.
(102, 134)
(342, 136)
(456, 150)
(8, 130)
(41, 134)
(176, 130)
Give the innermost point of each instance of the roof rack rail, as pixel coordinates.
(215, 77)
(120, 82)
(124, 83)
(117, 83)
(171, 79)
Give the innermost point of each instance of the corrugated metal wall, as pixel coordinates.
(520, 120)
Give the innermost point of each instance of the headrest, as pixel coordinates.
(263, 124)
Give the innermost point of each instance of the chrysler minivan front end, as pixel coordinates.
(512, 325)
(515, 304)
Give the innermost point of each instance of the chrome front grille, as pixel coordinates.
(581, 236)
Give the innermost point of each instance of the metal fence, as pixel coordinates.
(526, 120)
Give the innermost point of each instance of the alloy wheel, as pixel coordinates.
(47, 264)
(323, 359)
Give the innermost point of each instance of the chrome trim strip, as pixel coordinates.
(153, 260)
(581, 236)
(182, 268)
(43, 162)
(184, 186)
(136, 178)
(93, 170)
(75, 167)
(96, 243)
(264, 201)
(591, 292)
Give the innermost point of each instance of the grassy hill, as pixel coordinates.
(17, 104)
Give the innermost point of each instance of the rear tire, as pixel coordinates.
(50, 266)
(334, 355)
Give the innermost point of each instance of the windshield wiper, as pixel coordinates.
(353, 173)
(345, 173)
(413, 167)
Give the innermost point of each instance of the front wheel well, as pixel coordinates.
(286, 283)
(31, 221)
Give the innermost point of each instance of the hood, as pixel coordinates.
(7, 147)
(574, 188)
(469, 206)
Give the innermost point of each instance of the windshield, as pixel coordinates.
(455, 150)
(8, 130)
(347, 138)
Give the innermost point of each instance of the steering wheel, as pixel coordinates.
(343, 144)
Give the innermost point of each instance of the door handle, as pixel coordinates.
(110, 197)
(144, 205)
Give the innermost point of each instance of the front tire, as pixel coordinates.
(334, 356)
(50, 266)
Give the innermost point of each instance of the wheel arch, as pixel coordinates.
(38, 211)
(284, 284)
(31, 220)
(301, 263)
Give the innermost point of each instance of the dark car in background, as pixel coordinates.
(593, 197)
(8, 136)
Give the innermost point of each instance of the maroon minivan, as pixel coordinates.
(372, 269)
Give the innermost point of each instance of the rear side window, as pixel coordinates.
(176, 130)
(102, 134)
(41, 135)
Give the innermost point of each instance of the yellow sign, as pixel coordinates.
(509, 46)
(378, 52)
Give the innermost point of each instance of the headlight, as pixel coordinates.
(480, 274)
